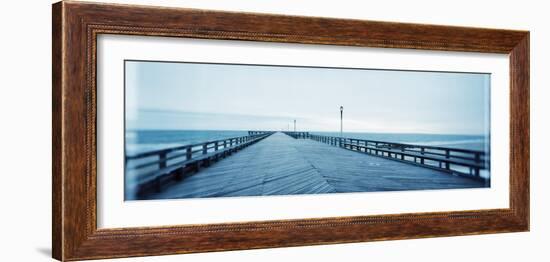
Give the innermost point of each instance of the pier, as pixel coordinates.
(282, 163)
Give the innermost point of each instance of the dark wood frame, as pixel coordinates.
(76, 26)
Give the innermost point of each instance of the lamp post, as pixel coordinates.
(341, 121)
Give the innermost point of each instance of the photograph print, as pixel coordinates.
(203, 130)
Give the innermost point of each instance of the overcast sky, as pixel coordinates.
(249, 97)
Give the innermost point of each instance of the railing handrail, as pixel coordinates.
(192, 157)
(178, 148)
(475, 160)
(409, 145)
(450, 160)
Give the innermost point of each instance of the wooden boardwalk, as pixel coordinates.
(281, 165)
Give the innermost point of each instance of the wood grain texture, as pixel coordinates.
(519, 130)
(57, 195)
(75, 29)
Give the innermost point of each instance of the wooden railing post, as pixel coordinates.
(162, 159)
(477, 160)
(447, 156)
(189, 153)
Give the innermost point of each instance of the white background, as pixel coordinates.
(25, 136)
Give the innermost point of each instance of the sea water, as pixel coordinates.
(146, 140)
(138, 141)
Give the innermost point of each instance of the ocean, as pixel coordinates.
(146, 140)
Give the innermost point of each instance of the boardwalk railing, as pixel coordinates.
(463, 162)
(149, 171)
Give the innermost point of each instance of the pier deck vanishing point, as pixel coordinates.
(282, 165)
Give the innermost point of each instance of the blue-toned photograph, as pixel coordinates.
(202, 130)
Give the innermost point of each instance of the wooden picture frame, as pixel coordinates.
(76, 26)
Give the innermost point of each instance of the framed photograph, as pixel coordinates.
(183, 130)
